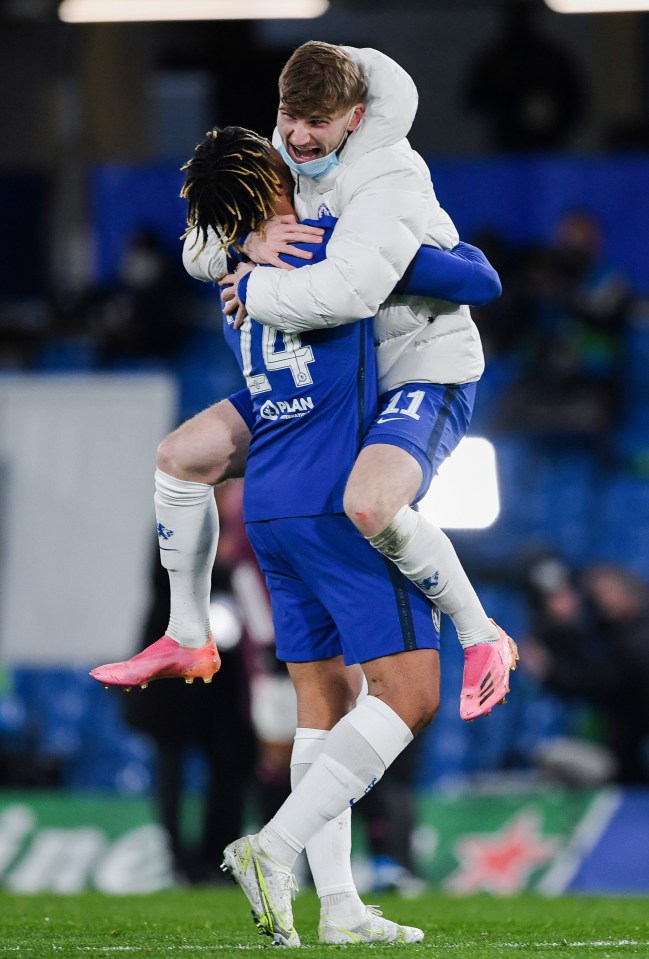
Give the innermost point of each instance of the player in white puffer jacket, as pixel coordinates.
(382, 193)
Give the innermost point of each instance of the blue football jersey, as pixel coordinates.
(314, 396)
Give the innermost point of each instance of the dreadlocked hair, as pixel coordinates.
(230, 185)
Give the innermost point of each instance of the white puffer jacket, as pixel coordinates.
(386, 206)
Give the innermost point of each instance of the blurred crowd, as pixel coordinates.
(589, 641)
(138, 318)
(561, 325)
(563, 320)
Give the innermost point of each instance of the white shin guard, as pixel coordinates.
(425, 554)
(354, 757)
(188, 532)
(329, 850)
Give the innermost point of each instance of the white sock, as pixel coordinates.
(188, 534)
(425, 554)
(329, 850)
(355, 755)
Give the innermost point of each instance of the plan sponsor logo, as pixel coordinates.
(286, 409)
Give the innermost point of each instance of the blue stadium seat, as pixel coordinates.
(637, 356)
(207, 371)
(622, 525)
(66, 355)
(77, 724)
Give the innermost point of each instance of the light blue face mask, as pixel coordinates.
(311, 168)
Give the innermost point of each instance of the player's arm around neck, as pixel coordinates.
(280, 235)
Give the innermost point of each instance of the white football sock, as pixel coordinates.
(355, 755)
(425, 554)
(329, 850)
(188, 534)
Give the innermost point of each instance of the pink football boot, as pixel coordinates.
(486, 675)
(164, 659)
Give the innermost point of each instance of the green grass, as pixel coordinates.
(216, 922)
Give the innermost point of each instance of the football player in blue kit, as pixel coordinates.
(310, 401)
(335, 759)
(337, 602)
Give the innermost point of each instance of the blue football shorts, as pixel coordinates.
(427, 420)
(332, 593)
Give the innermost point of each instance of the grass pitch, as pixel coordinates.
(216, 922)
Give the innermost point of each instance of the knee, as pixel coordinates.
(418, 712)
(421, 710)
(365, 511)
(408, 682)
(171, 457)
(416, 704)
(193, 455)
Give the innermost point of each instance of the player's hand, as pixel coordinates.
(278, 236)
(230, 302)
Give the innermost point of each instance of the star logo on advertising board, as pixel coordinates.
(501, 862)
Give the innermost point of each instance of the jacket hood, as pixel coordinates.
(391, 105)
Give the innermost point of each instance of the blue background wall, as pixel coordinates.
(520, 197)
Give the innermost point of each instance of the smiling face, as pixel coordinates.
(311, 137)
